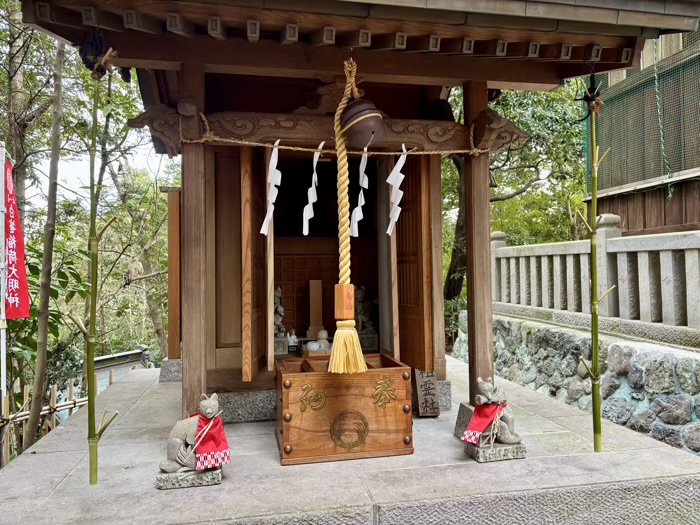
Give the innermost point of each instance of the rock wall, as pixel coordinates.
(649, 388)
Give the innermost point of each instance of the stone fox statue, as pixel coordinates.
(491, 408)
(181, 456)
(488, 393)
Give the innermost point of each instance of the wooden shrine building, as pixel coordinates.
(263, 70)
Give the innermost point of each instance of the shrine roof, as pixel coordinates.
(419, 42)
(557, 15)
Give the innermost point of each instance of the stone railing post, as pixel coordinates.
(498, 240)
(608, 228)
(673, 288)
(692, 283)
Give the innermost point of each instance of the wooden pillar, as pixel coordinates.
(438, 306)
(478, 236)
(174, 313)
(247, 232)
(193, 255)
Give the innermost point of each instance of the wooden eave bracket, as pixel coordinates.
(496, 133)
(164, 123)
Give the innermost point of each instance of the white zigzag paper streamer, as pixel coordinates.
(356, 216)
(394, 180)
(274, 179)
(309, 208)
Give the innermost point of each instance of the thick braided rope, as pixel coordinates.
(344, 175)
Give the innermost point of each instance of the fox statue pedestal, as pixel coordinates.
(192, 478)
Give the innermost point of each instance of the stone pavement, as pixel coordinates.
(636, 480)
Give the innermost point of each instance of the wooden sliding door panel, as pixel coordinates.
(413, 267)
(228, 253)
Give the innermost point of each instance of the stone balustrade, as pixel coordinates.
(656, 277)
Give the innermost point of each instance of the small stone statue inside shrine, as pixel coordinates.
(279, 313)
(323, 343)
(197, 449)
(493, 420)
(363, 311)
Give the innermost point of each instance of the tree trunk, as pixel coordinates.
(40, 371)
(571, 216)
(145, 258)
(154, 310)
(454, 281)
(17, 101)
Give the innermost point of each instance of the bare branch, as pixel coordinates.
(523, 189)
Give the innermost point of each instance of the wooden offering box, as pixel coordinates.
(330, 417)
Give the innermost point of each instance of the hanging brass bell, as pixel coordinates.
(361, 123)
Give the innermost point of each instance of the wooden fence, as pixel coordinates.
(11, 423)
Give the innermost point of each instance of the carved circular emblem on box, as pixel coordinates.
(349, 429)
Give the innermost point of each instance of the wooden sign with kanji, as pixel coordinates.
(427, 393)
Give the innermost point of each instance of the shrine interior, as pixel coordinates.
(299, 259)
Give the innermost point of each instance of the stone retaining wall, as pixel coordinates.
(649, 388)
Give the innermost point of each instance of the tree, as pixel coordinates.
(40, 374)
(147, 212)
(26, 96)
(539, 184)
(132, 258)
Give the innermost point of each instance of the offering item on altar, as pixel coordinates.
(323, 343)
(315, 309)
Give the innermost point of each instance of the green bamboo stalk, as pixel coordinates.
(92, 334)
(595, 350)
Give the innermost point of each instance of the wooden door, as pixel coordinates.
(227, 199)
(414, 267)
(254, 329)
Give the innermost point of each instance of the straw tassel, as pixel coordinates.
(346, 354)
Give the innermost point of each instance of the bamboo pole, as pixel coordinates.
(65, 405)
(92, 335)
(52, 406)
(594, 105)
(111, 376)
(595, 350)
(71, 396)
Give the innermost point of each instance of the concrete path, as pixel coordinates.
(635, 481)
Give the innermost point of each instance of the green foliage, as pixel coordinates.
(131, 210)
(452, 308)
(549, 167)
(540, 184)
(546, 212)
(65, 348)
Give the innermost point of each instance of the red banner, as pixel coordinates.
(17, 288)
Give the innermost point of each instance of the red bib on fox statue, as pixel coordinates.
(212, 447)
(483, 416)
